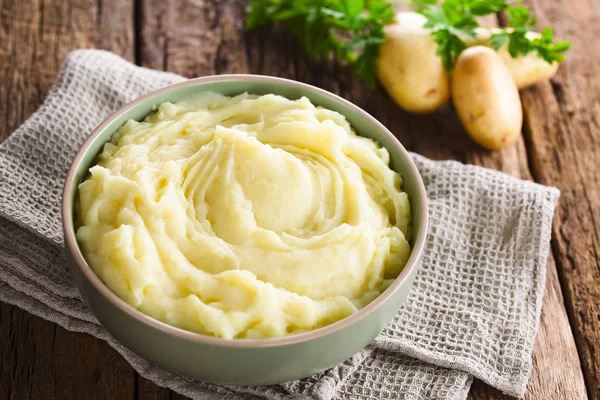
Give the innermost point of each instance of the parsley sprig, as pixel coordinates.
(520, 22)
(350, 29)
(453, 21)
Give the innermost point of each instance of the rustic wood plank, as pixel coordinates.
(164, 45)
(38, 358)
(563, 137)
(148, 390)
(193, 38)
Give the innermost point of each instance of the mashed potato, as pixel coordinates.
(244, 217)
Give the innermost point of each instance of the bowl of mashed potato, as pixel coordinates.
(243, 229)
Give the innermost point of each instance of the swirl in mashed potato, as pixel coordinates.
(244, 217)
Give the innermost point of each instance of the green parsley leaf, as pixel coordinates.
(436, 17)
(422, 5)
(353, 8)
(520, 23)
(546, 49)
(497, 40)
(520, 17)
(454, 21)
(450, 45)
(485, 7)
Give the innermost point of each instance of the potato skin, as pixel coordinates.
(486, 98)
(409, 68)
(527, 69)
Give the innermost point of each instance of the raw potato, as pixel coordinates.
(486, 98)
(409, 68)
(526, 70)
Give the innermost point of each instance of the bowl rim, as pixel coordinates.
(72, 246)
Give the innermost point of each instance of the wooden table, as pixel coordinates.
(560, 147)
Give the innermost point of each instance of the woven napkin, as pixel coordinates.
(473, 310)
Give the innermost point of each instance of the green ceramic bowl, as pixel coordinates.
(243, 361)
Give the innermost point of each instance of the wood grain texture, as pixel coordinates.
(147, 390)
(38, 359)
(563, 136)
(192, 38)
